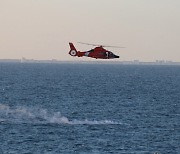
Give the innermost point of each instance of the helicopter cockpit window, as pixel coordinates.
(110, 53)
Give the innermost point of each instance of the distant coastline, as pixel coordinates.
(135, 62)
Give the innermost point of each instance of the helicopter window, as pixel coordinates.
(110, 53)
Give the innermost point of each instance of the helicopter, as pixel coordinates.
(98, 52)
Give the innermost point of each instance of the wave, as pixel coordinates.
(42, 116)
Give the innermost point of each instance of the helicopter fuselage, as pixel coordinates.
(97, 52)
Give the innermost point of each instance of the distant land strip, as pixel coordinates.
(135, 62)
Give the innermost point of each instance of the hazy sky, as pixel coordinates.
(41, 29)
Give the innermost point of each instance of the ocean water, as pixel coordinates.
(89, 109)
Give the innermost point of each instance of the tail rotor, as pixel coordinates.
(73, 51)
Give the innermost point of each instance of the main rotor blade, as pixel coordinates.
(112, 46)
(101, 45)
(88, 44)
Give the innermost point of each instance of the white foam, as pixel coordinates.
(29, 115)
(94, 122)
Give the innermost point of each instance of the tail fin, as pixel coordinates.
(73, 51)
(72, 46)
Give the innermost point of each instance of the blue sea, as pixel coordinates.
(89, 109)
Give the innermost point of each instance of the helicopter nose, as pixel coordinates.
(115, 56)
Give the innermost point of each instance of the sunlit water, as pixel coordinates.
(89, 109)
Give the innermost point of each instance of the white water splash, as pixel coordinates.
(94, 122)
(42, 116)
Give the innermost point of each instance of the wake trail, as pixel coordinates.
(21, 114)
